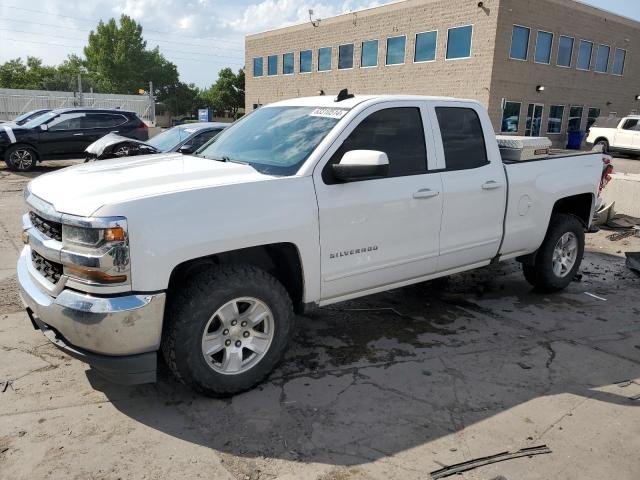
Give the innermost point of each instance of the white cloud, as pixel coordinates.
(270, 14)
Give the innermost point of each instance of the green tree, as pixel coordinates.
(227, 93)
(119, 61)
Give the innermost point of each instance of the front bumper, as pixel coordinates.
(117, 335)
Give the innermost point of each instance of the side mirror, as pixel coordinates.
(44, 127)
(185, 149)
(361, 165)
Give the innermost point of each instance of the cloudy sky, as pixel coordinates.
(200, 36)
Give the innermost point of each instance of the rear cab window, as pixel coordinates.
(462, 138)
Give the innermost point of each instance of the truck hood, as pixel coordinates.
(83, 189)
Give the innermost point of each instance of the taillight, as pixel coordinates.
(143, 126)
(607, 170)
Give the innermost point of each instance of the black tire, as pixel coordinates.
(605, 145)
(189, 312)
(21, 158)
(541, 274)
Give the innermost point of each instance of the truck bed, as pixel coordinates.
(554, 154)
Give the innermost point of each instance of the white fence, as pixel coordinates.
(15, 102)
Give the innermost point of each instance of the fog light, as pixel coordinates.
(25, 237)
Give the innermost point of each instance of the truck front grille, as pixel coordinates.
(50, 270)
(47, 227)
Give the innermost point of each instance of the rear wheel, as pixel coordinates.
(21, 158)
(559, 257)
(227, 329)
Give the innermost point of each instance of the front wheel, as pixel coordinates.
(604, 144)
(227, 328)
(21, 158)
(559, 257)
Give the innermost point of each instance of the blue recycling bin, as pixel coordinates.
(574, 140)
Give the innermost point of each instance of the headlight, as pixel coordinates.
(91, 237)
(96, 250)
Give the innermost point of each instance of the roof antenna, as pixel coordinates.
(344, 95)
(315, 23)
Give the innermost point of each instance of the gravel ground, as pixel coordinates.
(392, 386)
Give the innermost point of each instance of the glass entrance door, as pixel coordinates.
(534, 120)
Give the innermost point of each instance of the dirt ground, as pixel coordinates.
(393, 386)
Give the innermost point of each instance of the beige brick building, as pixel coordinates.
(541, 67)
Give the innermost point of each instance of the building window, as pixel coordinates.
(543, 47)
(462, 138)
(592, 116)
(519, 43)
(305, 61)
(602, 59)
(258, 64)
(585, 50)
(618, 61)
(426, 44)
(345, 56)
(575, 119)
(395, 50)
(511, 117)
(272, 65)
(324, 59)
(565, 51)
(556, 114)
(369, 56)
(287, 64)
(459, 42)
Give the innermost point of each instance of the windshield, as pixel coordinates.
(168, 139)
(25, 117)
(40, 119)
(274, 140)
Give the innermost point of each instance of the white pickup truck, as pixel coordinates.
(311, 201)
(617, 135)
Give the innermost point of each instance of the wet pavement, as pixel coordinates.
(395, 385)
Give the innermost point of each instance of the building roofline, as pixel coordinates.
(334, 18)
(615, 16)
(579, 4)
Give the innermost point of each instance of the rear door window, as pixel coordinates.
(631, 124)
(104, 120)
(462, 138)
(398, 132)
(202, 138)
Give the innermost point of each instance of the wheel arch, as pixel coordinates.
(580, 206)
(24, 144)
(282, 260)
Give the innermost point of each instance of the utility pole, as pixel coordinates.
(152, 104)
(80, 99)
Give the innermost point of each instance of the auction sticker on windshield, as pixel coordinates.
(329, 112)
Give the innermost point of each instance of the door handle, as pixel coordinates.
(78, 134)
(491, 185)
(426, 193)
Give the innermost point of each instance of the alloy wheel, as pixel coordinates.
(565, 254)
(22, 159)
(238, 335)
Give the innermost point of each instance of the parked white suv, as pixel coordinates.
(617, 135)
(306, 201)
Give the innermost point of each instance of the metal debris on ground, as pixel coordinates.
(481, 462)
(4, 386)
(614, 237)
(593, 295)
(633, 261)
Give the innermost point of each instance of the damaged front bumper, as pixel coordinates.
(117, 335)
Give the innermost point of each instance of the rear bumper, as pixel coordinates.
(117, 335)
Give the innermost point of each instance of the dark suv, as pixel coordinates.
(64, 133)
